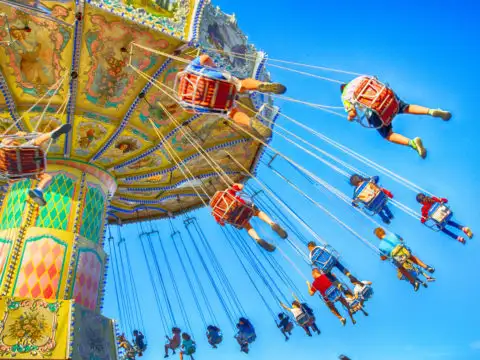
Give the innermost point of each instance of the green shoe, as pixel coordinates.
(274, 88)
(260, 128)
(417, 145)
(445, 115)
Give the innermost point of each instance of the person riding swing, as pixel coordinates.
(204, 88)
(228, 207)
(29, 150)
(380, 106)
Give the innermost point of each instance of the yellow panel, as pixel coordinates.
(48, 122)
(34, 328)
(89, 135)
(38, 59)
(156, 113)
(110, 86)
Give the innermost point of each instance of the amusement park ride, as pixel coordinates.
(147, 138)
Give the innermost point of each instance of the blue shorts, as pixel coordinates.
(376, 122)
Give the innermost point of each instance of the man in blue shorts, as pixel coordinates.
(348, 91)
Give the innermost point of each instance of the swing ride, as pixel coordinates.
(148, 136)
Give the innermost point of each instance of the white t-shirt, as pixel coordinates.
(296, 312)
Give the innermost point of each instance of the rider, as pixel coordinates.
(214, 336)
(188, 346)
(389, 244)
(348, 91)
(246, 334)
(285, 325)
(330, 294)
(232, 190)
(40, 140)
(205, 65)
(303, 315)
(173, 342)
(315, 251)
(356, 180)
(139, 341)
(428, 202)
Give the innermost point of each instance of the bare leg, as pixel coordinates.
(416, 110)
(407, 274)
(181, 355)
(252, 232)
(265, 218)
(398, 139)
(239, 117)
(344, 302)
(249, 84)
(419, 262)
(45, 180)
(333, 309)
(42, 139)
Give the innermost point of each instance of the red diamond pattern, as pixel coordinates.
(89, 271)
(40, 269)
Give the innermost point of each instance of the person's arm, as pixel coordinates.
(387, 192)
(285, 306)
(311, 289)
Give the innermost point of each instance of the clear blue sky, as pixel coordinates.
(428, 51)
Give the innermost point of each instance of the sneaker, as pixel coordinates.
(343, 321)
(468, 232)
(445, 115)
(166, 356)
(386, 221)
(278, 229)
(417, 144)
(416, 286)
(430, 269)
(266, 246)
(274, 88)
(260, 128)
(64, 129)
(461, 240)
(37, 196)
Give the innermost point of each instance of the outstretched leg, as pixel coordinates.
(181, 355)
(420, 263)
(415, 144)
(252, 84)
(412, 280)
(37, 194)
(421, 110)
(243, 119)
(335, 312)
(254, 235)
(384, 217)
(388, 212)
(265, 218)
(344, 302)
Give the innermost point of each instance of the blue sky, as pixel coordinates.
(428, 52)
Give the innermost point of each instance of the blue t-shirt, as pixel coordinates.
(188, 345)
(205, 70)
(388, 243)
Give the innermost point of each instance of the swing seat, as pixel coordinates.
(401, 254)
(303, 319)
(355, 305)
(378, 98)
(230, 209)
(372, 198)
(199, 93)
(438, 216)
(19, 162)
(323, 258)
(333, 294)
(366, 293)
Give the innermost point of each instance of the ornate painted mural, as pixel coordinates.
(91, 74)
